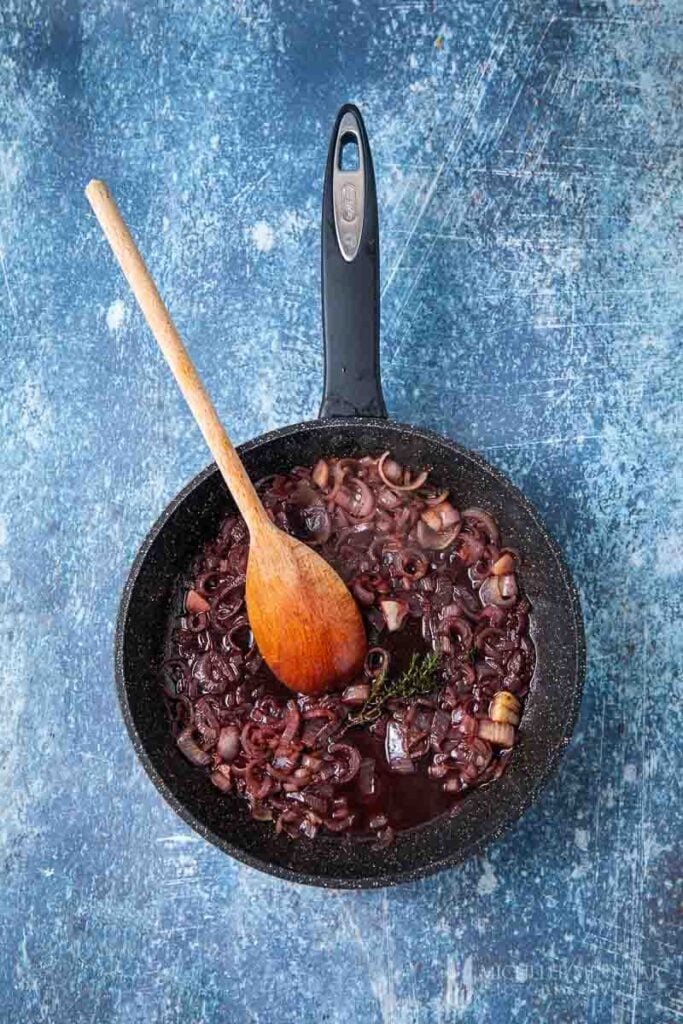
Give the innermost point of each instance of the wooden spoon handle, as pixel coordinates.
(170, 343)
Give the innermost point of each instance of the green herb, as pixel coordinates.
(416, 680)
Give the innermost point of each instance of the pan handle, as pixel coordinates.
(350, 275)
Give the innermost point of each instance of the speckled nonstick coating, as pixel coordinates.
(550, 711)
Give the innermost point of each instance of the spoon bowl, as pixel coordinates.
(305, 622)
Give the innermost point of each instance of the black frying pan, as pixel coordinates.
(352, 422)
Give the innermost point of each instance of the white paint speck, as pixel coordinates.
(655, 343)
(214, 141)
(5, 571)
(669, 555)
(581, 838)
(262, 236)
(36, 419)
(292, 225)
(630, 773)
(459, 989)
(177, 839)
(3, 531)
(488, 882)
(116, 314)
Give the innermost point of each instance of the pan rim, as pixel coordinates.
(545, 771)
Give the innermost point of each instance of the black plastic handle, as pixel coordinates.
(350, 277)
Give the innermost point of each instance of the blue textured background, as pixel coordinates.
(528, 158)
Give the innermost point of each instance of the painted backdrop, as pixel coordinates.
(528, 158)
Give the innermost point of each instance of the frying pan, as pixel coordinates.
(353, 421)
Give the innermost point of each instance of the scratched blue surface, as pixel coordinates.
(529, 166)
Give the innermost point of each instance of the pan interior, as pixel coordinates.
(550, 711)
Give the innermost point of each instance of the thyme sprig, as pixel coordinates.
(417, 679)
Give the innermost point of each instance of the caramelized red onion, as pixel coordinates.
(384, 468)
(499, 590)
(394, 613)
(195, 603)
(228, 746)
(191, 749)
(356, 695)
(441, 517)
(424, 574)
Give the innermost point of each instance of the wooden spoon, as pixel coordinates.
(304, 619)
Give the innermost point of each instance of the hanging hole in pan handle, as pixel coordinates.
(350, 274)
(349, 153)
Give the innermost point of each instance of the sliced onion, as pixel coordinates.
(197, 623)
(397, 750)
(221, 778)
(207, 583)
(362, 594)
(176, 674)
(451, 623)
(213, 672)
(305, 496)
(492, 591)
(345, 772)
(412, 565)
(390, 471)
(191, 750)
(492, 614)
(195, 603)
(257, 788)
(504, 565)
(338, 473)
(254, 740)
(501, 734)
(286, 759)
(433, 540)
(321, 474)
(388, 499)
(228, 746)
(504, 708)
(362, 502)
(318, 523)
(356, 695)
(292, 722)
(394, 613)
(414, 486)
(441, 723)
(441, 517)
(470, 548)
(434, 499)
(309, 827)
(484, 521)
(239, 637)
(376, 661)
